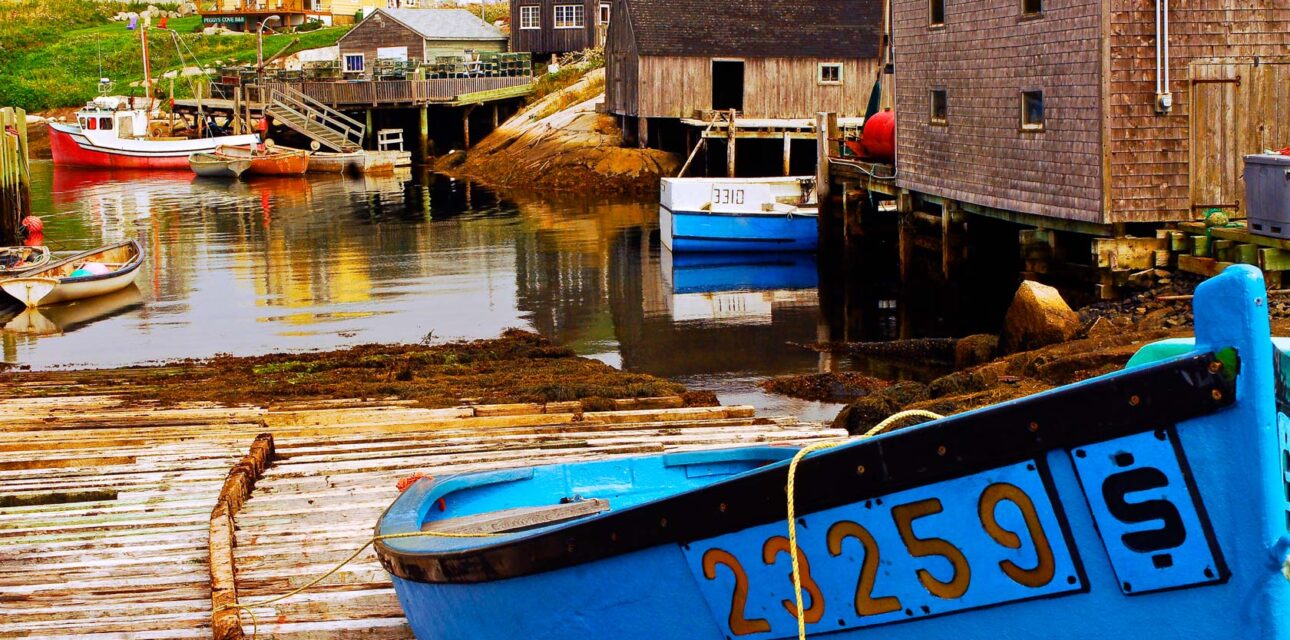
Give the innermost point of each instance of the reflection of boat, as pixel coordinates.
(210, 165)
(738, 214)
(706, 272)
(108, 135)
(76, 277)
(268, 161)
(1154, 496)
(69, 317)
(20, 260)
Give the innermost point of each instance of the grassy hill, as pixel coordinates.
(51, 50)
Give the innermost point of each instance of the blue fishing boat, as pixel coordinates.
(1153, 502)
(738, 214)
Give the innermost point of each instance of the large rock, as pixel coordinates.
(1037, 317)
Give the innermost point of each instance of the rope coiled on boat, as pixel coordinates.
(791, 490)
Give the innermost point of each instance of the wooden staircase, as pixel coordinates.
(315, 120)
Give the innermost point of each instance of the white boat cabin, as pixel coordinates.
(106, 114)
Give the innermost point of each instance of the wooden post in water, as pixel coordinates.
(788, 153)
(465, 126)
(824, 123)
(237, 111)
(730, 146)
(15, 174)
(423, 132)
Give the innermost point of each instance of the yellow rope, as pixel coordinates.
(255, 626)
(791, 487)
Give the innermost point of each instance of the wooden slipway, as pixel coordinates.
(106, 502)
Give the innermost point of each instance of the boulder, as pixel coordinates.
(186, 9)
(1037, 317)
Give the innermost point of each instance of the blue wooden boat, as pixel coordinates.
(738, 214)
(1150, 503)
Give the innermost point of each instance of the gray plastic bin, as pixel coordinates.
(1267, 194)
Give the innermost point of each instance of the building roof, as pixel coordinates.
(443, 24)
(757, 28)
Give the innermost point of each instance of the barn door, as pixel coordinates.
(1217, 148)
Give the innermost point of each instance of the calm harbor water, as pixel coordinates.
(289, 264)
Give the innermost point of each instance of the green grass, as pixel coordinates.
(51, 50)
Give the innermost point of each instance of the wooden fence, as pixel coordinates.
(15, 174)
(397, 92)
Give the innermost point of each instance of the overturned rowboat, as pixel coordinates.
(112, 268)
(1148, 503)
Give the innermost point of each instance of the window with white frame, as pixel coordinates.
(354, 63)
(569, 16)
(530, 17)
(604, 13)
(830, 73)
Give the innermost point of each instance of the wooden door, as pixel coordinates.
(1217, 147)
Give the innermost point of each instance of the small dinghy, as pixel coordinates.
(83, 275)
(328, 162)
(19, 260)
(209, 165)
(1150, 502)
(267, 160)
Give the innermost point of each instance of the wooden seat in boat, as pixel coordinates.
(518, 519)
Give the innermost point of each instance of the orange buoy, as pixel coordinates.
(879, 136)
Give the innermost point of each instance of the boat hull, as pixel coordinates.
(697, 231)
(47, 286)
(70, 146)
(738, 214)
(1147, 503)
(212, 167)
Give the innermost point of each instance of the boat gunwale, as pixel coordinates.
(135, 262)
(1167, 393)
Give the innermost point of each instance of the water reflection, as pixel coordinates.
(292, 263)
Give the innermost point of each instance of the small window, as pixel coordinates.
(1031, 8)
(530, 17)
(830, 73)
(1032, 110)
(569, 16)
(936, 13)
(940, 106)
(604, 13)
(354, 63)
(93, 124)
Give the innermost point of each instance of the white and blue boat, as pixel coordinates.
(1153, 502)
(738, 214)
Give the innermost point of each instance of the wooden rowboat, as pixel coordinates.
(210, 165)
(268, 161)
(1150, 502)
(19, 260)
(324, 162)
(66, 279)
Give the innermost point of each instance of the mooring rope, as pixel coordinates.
(791, 490)
(255, 625)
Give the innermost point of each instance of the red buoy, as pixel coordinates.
(879, 136)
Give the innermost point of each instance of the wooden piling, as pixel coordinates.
(788, 154)
(730, 146)
(423, 132)
(15, 174)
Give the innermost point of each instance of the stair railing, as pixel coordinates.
(314, 111)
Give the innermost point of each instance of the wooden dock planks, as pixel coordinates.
(106, 500)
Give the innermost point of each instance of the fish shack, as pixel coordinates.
(1104, 119)
(676, 65)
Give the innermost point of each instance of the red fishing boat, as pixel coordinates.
(113, 133)
(268, 160)
(107, 134)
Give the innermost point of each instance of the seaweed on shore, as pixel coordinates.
(517, 367)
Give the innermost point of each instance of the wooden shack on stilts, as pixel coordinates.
(15, 174)
(1094, 127)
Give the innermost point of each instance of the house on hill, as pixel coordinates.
(547, 27)
(416, 34)
(762, 58)
(1087, 112)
